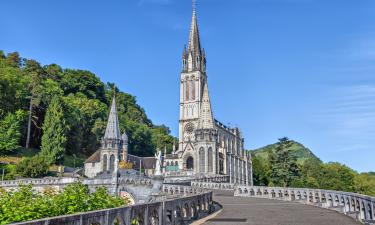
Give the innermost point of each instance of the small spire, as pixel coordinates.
(113, 129)
(206, 119)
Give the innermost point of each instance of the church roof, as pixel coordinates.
(113, 130)
(206, 120)
(94, 157)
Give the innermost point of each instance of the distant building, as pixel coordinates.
(206, 146)
(114, 147)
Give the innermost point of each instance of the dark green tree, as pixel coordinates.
(54, 128)
(284, 164)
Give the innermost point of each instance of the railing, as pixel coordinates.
(176, 211)
(357, 206)
(42, 181)
(213, 186)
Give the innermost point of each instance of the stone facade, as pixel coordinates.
(206, 146)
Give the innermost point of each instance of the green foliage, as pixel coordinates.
(25, 204)
(54, 139)
(85, 100)
(10, 132)
(283, 164)
(365, 183)
(34, 167)
(312, 173)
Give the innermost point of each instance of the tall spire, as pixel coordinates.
(194, 40)
(193, 57)
(113, 130)
(206, 119)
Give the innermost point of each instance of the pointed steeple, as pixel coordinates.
(194, 40)
(193, 57)
(206, 119)
(113, 130)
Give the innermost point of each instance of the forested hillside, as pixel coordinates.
(298, 150)
(289, 163)
(77, 117)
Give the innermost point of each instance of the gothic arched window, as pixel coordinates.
(112, 163)
(187, 90)
(192, 84)
(104, 163)
(202, 160)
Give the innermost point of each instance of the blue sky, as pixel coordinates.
(304, 69)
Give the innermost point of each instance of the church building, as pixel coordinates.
(206, 146)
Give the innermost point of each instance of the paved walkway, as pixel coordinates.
(256, 211)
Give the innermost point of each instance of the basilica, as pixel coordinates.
(206, 146)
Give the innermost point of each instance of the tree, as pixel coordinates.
(335, 176)
(283, 165)
(365, 183)
(261, 171)
(34, 167)
(10, 132)
(54, 137)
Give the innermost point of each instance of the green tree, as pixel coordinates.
(365, 183)
(33, 167)
(10, 132)
(284, 164)
(335, 176)
(261, 171)
(54, 138)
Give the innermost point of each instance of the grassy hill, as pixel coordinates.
(301, 152)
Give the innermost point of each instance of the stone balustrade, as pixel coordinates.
(213, 186)
(181, 210)
(42, 181)
(357, 206)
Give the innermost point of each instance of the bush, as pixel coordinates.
(26, 204)
(34, 167)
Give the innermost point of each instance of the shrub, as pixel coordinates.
(33, 167)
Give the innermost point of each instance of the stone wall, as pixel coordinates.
(359, 207)
(181, 210)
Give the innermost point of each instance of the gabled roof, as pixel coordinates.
(94, 158)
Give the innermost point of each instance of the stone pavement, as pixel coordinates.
(258, 211)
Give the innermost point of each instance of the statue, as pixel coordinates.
(158, 163)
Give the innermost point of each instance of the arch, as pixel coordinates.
(202, 160)
(369, 212)
(363, 211)
(177, 212)
(105, 162)
(292, 196)
(185, 211)
(154, 217)
(193, 211)
(317, 197)
(112, 163)
(311, 197)
(192, 84)
(330, 200)
(210, 160)
(190, 163)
